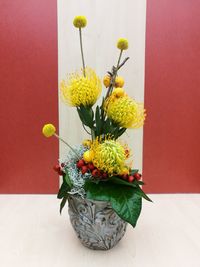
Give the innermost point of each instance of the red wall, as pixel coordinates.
(28, 54)
(28, 67)
(172, 94)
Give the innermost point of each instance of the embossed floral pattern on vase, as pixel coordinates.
(95, 223)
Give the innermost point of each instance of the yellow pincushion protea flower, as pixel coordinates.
(80, 90)
(109, 156)
(125, 111)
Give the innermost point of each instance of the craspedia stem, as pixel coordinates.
(57, 136)
(119, 59)
(82, 55)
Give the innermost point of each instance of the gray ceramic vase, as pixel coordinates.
(95, 223)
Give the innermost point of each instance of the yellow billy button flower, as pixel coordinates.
(48, 130)
(125, 111)
(122, 44)
(107, 80)
(80, 21)
(88, 156)
(79, 90)
(119, 81)
(118, 92)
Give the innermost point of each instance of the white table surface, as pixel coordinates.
(33, 234)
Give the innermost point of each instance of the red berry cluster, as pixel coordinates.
(130, 178)
(89, 167)
(57, 168)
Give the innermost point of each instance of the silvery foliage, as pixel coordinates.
(77, 178)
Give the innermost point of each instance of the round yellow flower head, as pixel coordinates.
(119, 81)
(79, 90)
(106, 80)
(86, 142)
(125, 111)
(122, 44)
(118, 92)
(88, 156)
(109, 156)
(48, 130)
(80, 21)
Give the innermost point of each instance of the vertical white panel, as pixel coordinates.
(107, 21)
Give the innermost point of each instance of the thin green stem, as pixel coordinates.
(86, 129)
(57, 136)
(82, 56)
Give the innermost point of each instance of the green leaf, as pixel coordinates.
(98, 121)
(136, 182)
(86, 115)
(107, 126)
(67, 180)
(63, 202)
(97, 191)
(63, 191)
(117, 180)
(126, 203)
(141, 193)
(119, 132)
(102, 105)
(114, 130)
(133, 171)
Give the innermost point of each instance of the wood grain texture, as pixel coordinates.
(105, 26)
(34, 234)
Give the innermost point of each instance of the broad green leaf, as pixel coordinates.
(127, 205)
(123, 199)
(117, 180)
(98, 191)
(139, 192)
(138, 182)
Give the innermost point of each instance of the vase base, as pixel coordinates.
(96, 224)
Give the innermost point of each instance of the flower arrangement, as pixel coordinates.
(100, 168)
